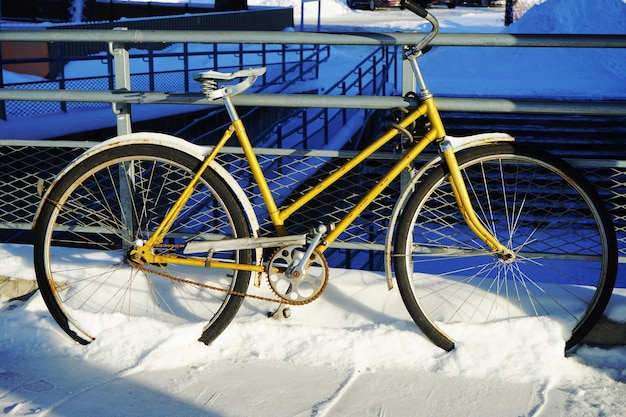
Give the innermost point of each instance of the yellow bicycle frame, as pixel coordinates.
(278, 216)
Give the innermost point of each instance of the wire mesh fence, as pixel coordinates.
(27, 167)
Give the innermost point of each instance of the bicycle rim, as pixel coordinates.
(537, 206)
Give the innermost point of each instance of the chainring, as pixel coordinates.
(302, 289)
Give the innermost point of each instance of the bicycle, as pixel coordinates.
(150, 225)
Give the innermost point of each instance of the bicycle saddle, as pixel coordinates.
(209, 80)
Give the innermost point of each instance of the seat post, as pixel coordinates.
(230, 108)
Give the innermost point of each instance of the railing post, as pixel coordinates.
(186, 66)
(151, 82)
(325, 127)
(374, 79)
(408, 79)
(408, 84)
(121, 69)
(3, 110)
(305, 130)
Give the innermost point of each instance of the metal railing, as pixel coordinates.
(301, 38)
(284, 64)
(610, 174)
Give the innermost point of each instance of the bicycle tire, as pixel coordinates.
(82, 239)
(535, 204)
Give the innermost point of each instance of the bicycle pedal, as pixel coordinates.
(281, 313)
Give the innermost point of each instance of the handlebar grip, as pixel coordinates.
(416, 8)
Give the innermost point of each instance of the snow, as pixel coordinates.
(353, 352)
(538, 72)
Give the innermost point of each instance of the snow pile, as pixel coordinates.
(566, 73)
(583, 17)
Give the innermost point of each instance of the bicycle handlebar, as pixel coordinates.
(416, 8)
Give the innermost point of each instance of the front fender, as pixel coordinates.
(198, 152)
(458, 144)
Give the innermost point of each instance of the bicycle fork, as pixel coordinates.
(465, 206)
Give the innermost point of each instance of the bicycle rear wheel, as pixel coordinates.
(536, 205)
(108, 203)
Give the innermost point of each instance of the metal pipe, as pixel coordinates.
(485, 105)
(312, 38)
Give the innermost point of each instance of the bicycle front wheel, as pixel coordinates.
(537, 206)
(109, 203)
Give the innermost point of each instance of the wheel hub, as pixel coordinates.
(506, 256)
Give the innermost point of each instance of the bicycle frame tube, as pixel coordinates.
(351, 164)
(259, 177)
(145, 251)
(436, 132)
(401, 165)
(359, 158)
(278, 217)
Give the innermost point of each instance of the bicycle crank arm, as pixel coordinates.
(202, 246)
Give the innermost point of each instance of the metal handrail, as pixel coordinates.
(314, 38)
(586, 107)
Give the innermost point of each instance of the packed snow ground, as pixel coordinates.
(353, 352)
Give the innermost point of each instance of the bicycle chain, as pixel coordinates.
(140, 267)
